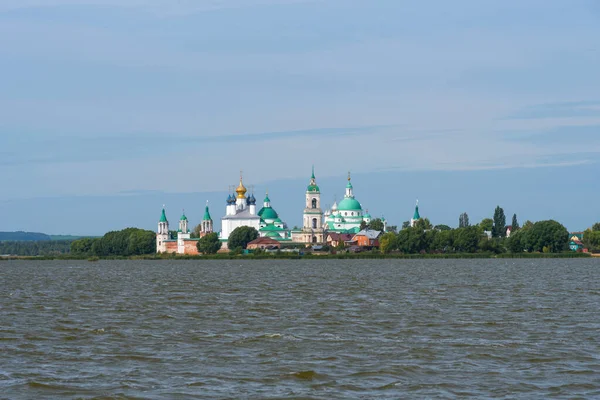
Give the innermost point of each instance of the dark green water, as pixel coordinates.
(327, 329)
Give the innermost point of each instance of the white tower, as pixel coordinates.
(162, 234)
(206, 226)
(182, 234)
(312, 226)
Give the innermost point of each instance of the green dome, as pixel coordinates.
(349, 204)
(183, 218)
(313, 188)
(268, 213)
(273, 235)
(278, 220)
(367, 216)
(163, 216)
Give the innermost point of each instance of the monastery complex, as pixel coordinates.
(343, 218)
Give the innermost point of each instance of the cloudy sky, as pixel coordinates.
(111, 108)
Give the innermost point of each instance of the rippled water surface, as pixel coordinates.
(372, 329)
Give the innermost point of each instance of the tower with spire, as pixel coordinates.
(183, 234)
(312, 219)
(162, 234)
(206, 226)
(416, 215)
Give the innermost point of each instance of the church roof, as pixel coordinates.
(183, 218)
(271, 227)
(268, 213)
(349, 204)
(416, 216)
(163, 217)
(206, 214)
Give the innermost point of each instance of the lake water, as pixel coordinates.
(372, 329)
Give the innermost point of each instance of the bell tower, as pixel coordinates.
(162, 234)
(312, 226)
(207, 222)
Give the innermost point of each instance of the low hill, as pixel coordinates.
(24, 237)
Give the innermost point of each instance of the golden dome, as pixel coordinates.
(241, 190)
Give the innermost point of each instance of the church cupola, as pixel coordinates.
(312, 186)
(183, 223)
(416, 215)
(241, 201)
(349, 188)
(267, 201)
(163, 223)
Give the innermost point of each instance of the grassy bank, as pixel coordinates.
(309, 256)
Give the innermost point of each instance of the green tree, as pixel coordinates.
(499, 228)
(463, 220)
(591, 239)
(363, 225)
(515, 243)
(196, 231)
(442, 227)
(547, 234)
(127, 242)
(406, 224)
(443, 241)
(209, 244)
(241, 236)
(392, 228)
(596, 227)
(527, 225)
(376, 224)
(424, 224)
(486, 225)
(466, 239)
(515, 224)
(387, 242)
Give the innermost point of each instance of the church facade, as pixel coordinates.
(348, 215)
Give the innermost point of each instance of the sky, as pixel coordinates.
(111, 108)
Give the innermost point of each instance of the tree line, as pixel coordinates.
(490, 235)
(127, 242)
(32, 249)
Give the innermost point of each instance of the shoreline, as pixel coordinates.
(345, 256)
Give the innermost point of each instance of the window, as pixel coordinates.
(314, 223)
(314, 203)
(314, 239)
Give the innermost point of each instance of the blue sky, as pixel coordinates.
(110, 108)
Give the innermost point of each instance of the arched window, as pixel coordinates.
(314, 239)
(314, 223)
(314, 203)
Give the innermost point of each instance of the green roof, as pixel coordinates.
(273, 235)
(313, 188)
(206, 214)
(183, 218)
(416, 216)
(349, 204)
(268, 213)
(267, 199)
(163, 217)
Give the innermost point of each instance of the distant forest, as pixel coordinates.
(23, 237)
(41, 248)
